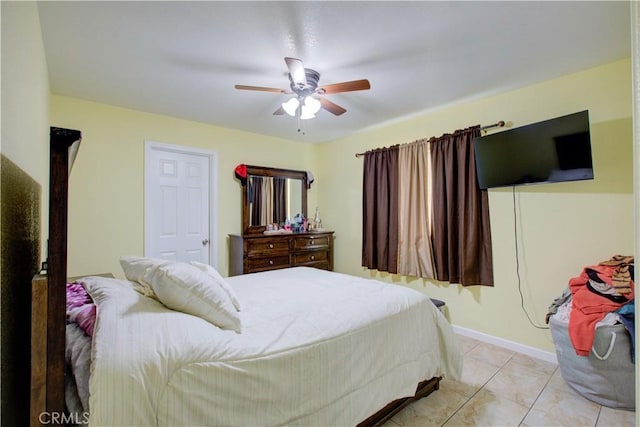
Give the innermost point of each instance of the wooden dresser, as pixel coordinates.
(250, 254)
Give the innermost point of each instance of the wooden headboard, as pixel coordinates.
(21, 242)
(47, 379)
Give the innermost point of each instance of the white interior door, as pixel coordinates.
(178, 203)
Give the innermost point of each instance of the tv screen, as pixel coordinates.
(555, 150)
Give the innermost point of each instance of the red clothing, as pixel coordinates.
(589, 307)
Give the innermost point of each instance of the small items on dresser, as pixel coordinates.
(317, 222)
(298, 225)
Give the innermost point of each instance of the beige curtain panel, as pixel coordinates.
(415, 252)
(266, 212)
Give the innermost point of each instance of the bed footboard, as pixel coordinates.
(424, 389)
(39, 409)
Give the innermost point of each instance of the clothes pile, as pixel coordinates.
(592, 325)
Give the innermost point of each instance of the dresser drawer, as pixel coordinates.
(258, 247)
(301, 258)
(311, 242)
(251, 254)
(267, 263)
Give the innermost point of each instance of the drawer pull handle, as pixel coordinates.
(270, 262)
(270, 245)
(312, 257)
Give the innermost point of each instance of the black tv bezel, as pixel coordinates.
(558, 121)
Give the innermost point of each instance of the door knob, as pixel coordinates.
(205, 242)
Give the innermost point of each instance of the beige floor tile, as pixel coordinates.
(488, 409)
(533, 363)
(558, 382)
(476, 372)
(467, 343)
(616, 418)
(461, 387)
(490, 354)
(432, 410)
(518, 383)
(558, 407)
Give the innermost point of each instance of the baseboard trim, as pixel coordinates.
(510, 345)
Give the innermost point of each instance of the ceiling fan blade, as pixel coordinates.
(296, 71)
(261, 89)
(346, 86)
(280, 111)
(331, 107)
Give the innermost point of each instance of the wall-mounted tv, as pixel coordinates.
(555, 150)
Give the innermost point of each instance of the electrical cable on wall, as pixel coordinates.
(515, 232)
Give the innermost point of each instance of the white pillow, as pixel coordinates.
(134, 268)
(218, 278)
(183, 287)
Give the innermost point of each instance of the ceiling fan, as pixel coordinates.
(308, 98)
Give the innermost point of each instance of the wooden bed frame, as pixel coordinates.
(48, 304)
(48, 307)
(38, 400)
(424, 389)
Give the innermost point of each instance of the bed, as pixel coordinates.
(312, 347)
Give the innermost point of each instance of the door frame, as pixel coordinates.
(212, 156)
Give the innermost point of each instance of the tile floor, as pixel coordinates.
(501, 387)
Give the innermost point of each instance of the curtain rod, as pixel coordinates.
(499, 124)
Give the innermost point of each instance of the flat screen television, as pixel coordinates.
(555, 150)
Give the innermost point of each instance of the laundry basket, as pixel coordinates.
(607, 375)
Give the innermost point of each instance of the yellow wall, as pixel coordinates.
(561, 227)
(25, 94)
(106, 218)
(25, 148)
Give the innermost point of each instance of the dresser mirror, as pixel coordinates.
(271, 195)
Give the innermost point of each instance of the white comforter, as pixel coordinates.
(316, 348)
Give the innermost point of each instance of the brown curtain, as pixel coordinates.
(279, 200)
(461, 233)
(255, 199)
(380, 210)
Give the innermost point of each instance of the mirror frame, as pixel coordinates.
(274, 173)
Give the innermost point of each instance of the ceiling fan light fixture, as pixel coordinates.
(311, 104)
(306, 113)
(308, 97)
(291, 106)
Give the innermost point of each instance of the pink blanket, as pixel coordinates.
(80, 307)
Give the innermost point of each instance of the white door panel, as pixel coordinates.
(178, 203)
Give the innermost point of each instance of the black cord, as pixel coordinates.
(515, 233)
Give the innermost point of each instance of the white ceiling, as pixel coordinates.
(183, 59)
